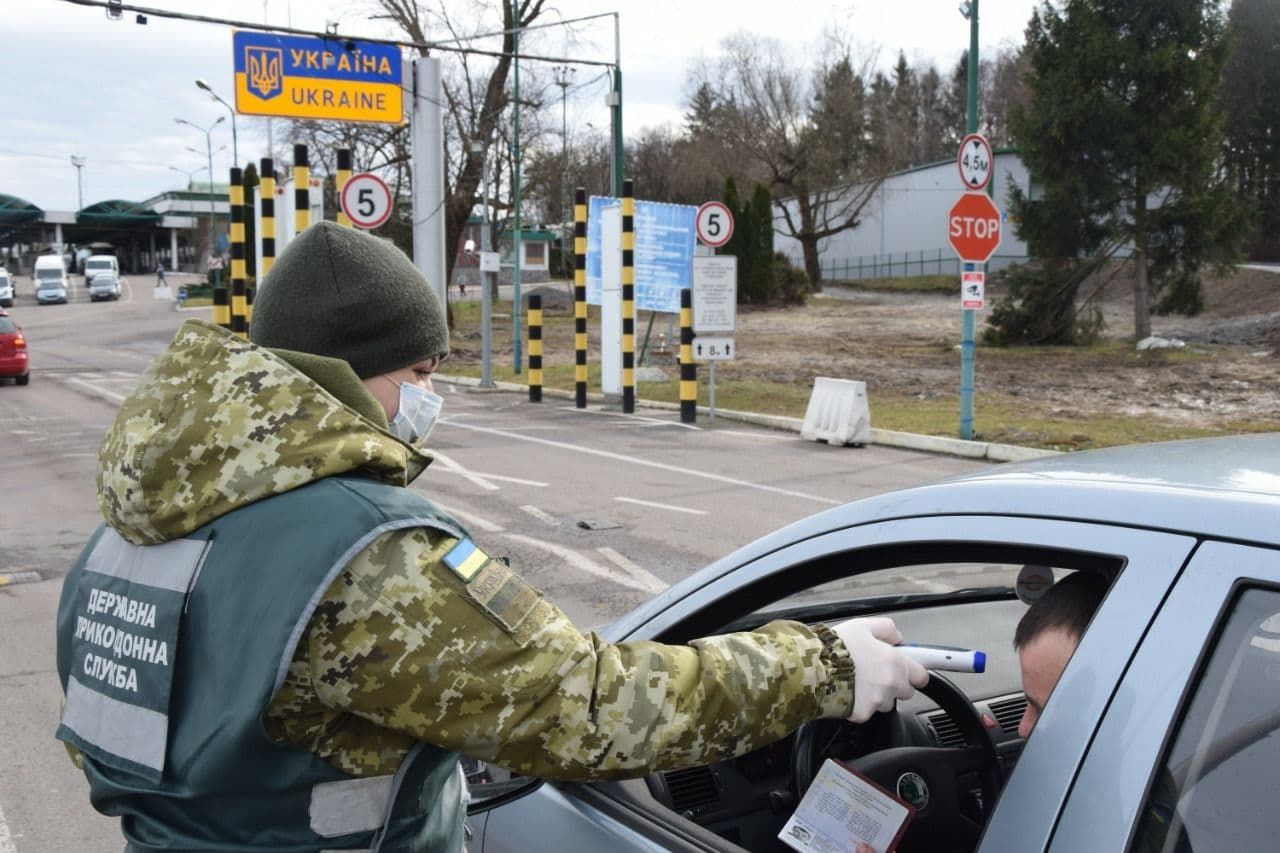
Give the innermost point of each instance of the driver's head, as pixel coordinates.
(1047, 635)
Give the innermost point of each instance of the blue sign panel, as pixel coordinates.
(663, 255)
(315, 78)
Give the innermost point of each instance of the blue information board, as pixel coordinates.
(665, 239)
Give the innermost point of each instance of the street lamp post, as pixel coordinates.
(188, 172)
(564, 76)
(208, 150)
(78, 162)
(235, 152)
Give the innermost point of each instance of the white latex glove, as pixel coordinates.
(881, 672)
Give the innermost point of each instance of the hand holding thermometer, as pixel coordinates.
(945, 658)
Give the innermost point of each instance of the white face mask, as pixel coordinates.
(418, 411)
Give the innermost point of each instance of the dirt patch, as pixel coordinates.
(908, 345)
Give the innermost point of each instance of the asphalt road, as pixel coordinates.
(599, 509)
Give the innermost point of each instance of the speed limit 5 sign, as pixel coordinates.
(366, 200)
(714, 224)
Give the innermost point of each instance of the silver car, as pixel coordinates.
(51, 291)
(6, 289)
(1161, 733)
(104, 285)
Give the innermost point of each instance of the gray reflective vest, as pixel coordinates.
(169, 655)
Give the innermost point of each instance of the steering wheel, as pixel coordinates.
(928, 777)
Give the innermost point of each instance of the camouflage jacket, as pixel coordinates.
(404, 648)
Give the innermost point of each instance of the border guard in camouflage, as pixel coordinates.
(273, 644)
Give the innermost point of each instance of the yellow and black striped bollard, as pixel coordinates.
(580, 297)
(688, 370)
(301, 189)
(221, 296)
(340, 180)
(535, 347)
(239, 319)
(628, 297)
(267, 199)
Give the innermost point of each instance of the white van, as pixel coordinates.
(95, 264)
(51, 279)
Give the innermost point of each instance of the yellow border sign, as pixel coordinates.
(315, 78)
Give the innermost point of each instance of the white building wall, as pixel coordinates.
(903, 229)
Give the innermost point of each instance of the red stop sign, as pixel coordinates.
(973, 227)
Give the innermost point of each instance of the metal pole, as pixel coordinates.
(516, 356)
(78, 162)
(966, 335)
(564, 76)
(711, 392)
(486, 286)
(208, 148)
(615, 103)
(235, 151)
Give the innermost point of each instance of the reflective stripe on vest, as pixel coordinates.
(127, 612)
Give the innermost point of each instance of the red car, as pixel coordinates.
(13, 350)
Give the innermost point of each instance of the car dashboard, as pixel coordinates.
(746, 800)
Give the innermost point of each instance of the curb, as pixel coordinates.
(987, 450)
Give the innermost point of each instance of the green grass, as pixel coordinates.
(1003, 419)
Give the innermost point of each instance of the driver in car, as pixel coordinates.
(274, 644)
(1047, 636)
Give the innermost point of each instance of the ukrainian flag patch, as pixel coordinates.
(465, 559)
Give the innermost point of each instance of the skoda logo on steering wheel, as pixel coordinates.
(912, 788)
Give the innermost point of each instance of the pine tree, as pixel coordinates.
(1121, 138)
(1251, 103)
(756, 275)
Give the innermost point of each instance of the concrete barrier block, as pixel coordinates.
(837, 412)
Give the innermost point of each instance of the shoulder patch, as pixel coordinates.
(465, 560)
(503, 594)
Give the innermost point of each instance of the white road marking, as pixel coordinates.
(631, 568)
(648, 463)
(447, 464)
(540, 515)
(767, 436)
(640, 420)
(583, 564)
(471, 520)
(6, 841)
(656, 505)
(96, 391)
(517, 480)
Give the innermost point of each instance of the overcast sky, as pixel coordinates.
(76, 83)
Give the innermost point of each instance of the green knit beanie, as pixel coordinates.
(342, 293)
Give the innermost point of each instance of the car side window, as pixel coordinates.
(1215, 788)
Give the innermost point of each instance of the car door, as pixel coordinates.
(558, 817)
(1186, 755)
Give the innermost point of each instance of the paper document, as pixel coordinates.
(842, 808)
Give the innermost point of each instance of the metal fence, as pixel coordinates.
(906, 264)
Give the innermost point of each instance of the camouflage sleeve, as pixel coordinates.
(458, 651)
